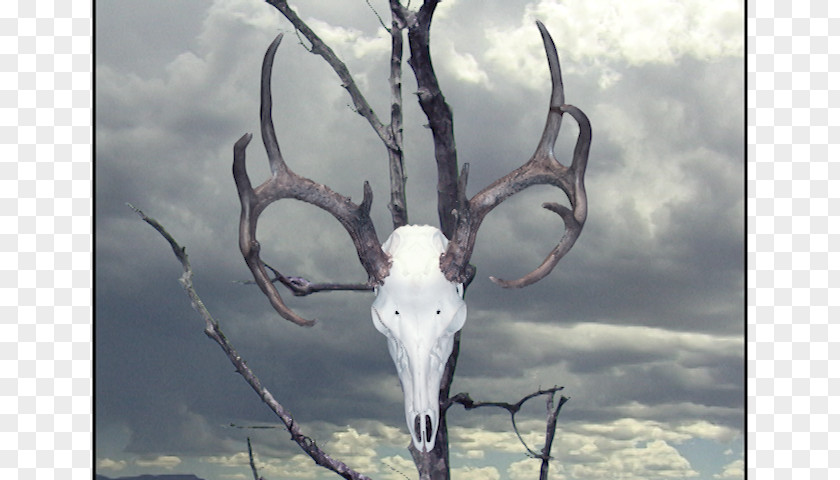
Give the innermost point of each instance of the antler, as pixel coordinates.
(542, 169)
(284, 183)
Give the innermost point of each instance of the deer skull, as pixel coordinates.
(419, 311)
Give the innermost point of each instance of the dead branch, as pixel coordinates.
(390, 135)
(212, 330)
(251, 461)
(397, 205)
(434, 106)
(300, 287)
(552, 412)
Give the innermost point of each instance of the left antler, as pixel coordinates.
(542, 169)
(284, 183)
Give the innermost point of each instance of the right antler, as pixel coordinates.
(542, 169)
(284, 183)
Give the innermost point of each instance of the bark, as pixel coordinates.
(437, 111)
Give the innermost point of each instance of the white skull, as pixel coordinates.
(419, 311)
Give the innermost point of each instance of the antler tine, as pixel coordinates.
(573, 220)
(541, 169)
(272, 148)
(248, 244)
(284, 183)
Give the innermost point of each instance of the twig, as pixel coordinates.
(301, 287)
(254, 427)
(361, 104)
(391, 134)
(378, 16)
(212, 330)
(251, 461)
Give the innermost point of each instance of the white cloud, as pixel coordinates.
(471, 454)
(350, 40)
(529, 469)
(602, 32)
(640, 449)
(462, 66)
(109, 464)
(357, 450)
(704, 429)
(732, 470)
(299, 466)
(650, 460)
(164, 461)
(475, 439)
(236, 460)
(389, 435)
(397, 468)
(634, 431)
(475, 473)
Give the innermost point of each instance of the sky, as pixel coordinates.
(643, 322)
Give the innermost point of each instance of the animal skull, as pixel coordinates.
(419, 311)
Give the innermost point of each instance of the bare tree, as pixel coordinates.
(460, 218)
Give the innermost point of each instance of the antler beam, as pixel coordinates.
(391, 134)
(284, 183)
(542, 169)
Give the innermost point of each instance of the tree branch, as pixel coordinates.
(550, 430)
(398, 205)
(437, 111)
(320, 48)
(301, 287)
(513, 408)
(212, 330)
(390, 135)
(251, 461)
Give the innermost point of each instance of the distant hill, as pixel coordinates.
(152, 477)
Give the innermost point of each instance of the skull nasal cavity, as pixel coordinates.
(418, 430)
(428, 429)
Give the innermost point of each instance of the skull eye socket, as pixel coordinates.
(437, 312)
(396, 312)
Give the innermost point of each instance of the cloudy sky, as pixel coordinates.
(642, 322)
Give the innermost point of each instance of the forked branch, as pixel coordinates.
(434, 106)
(552, 412)
(252, 463)
(212, 330)
(301, 287)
